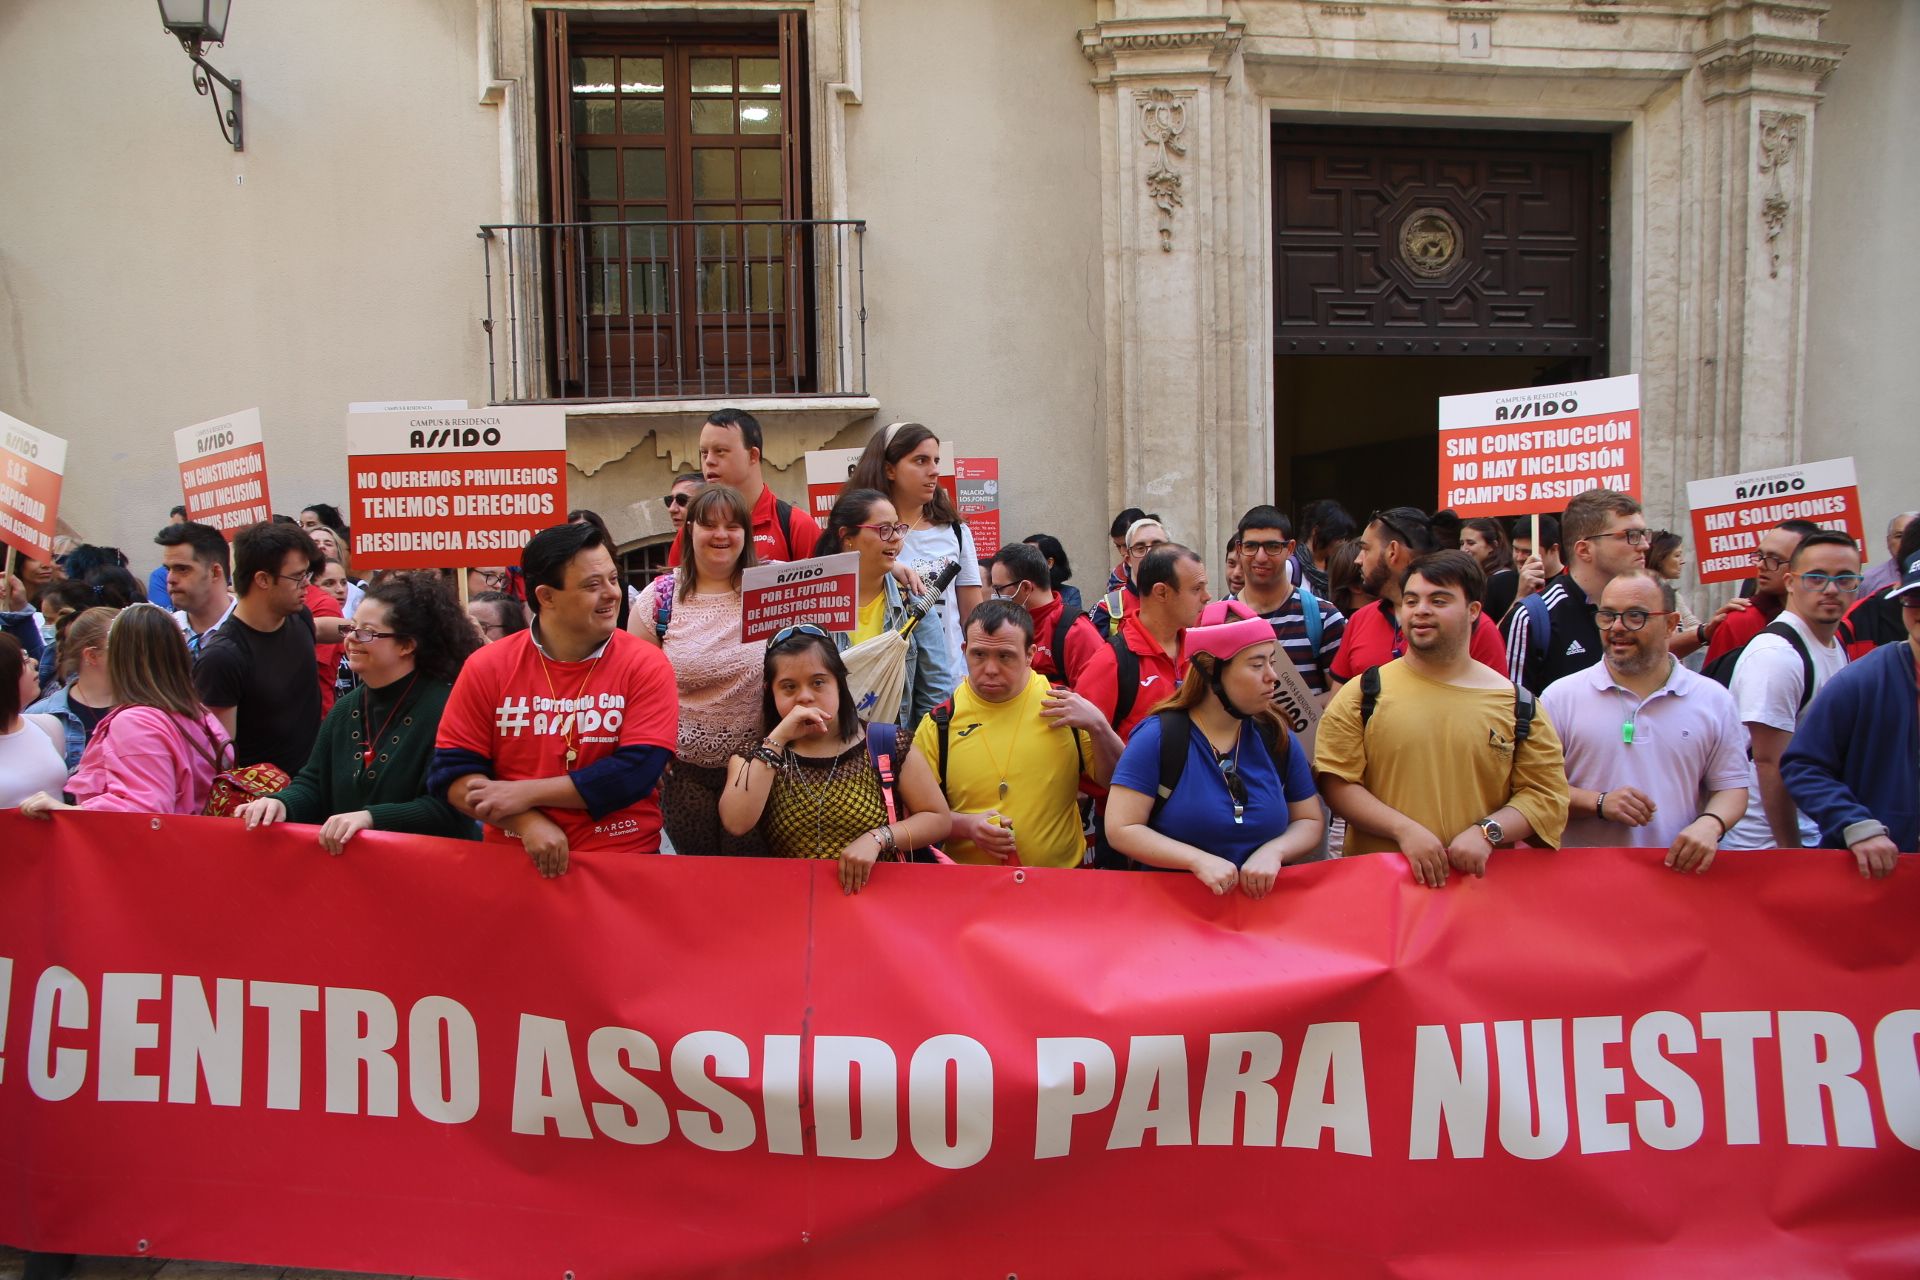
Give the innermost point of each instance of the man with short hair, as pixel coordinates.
(1769, 590)
(1392, 541)
(1148, 650)
(198, 567)
(1434, 753)
(1852, 763)
(1887, 572)
(1553, 635)
(1123, 601)
(1067, 648)
(157, 592)
(256, 670)
(1307, 626)
(557, 736)
(1656, 756)
(1780, 672)
(1011, 750)
(1535, 564)
(730, 454)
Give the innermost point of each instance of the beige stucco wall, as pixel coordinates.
(1863, 327)
(150, 277)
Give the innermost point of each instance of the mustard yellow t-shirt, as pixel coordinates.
(872, 615)
(1444, 756)
(1041, 764)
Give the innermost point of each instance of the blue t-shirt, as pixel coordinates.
(157, 592)
(1200, 810)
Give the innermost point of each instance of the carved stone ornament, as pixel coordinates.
(1163, 119)
(1779, 135)
(1430, 242)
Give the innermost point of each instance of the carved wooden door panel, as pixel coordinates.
(1439, 242)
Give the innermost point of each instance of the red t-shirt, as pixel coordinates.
(326, 657)
(1091, 670)
(515, 707)
(1373, 639)
(1742, 625)
(1159, 674)
(768, 542)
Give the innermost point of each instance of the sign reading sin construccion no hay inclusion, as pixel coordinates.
(31, 464)
(223, 471)
(1731, 512)
(435, 490)
(1530, 450)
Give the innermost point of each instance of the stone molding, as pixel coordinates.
(1160, 47)
(1779, 135)
(1163, 120)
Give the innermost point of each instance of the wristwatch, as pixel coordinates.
(1491, 830)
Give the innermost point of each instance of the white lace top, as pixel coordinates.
(719, 677)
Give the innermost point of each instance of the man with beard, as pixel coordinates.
(1436, 754)
(1392, 540)
(1769, 590)
(1656, 755)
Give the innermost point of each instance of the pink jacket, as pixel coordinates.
(145, 760)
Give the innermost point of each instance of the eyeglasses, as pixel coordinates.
(798, 629)
(1768, 560)
(361, 635)
(488, 628)
(1631, 619)
(1009, 590)
(1142, 548)
(1265, 548)
(302, 579)
(495, 580)
(888, 532)
(1845, 583)
(678, 499)
(1632, 537)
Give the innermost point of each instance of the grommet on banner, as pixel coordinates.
(140, 1246)
(566, 1275)
(155, 824)
(1019, 877)
(806, 1237)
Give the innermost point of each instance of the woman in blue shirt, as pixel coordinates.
(1244, 803)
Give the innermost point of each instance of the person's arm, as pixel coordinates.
(1628, 806)
(858, 857)
(1813, 768)
(1092, 670)
(1361, 808)
(1065, 709)
(968, 591)
(749, 784)
(934, 674)
(1694, 848)
(1769, 744)
(137, 769)
(643, 620)
(1305, 823)
(1128, 833)
(1539, 794)
(984, 830)
(929, 821)
(1469, 850)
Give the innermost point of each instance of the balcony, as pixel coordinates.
(595, 312)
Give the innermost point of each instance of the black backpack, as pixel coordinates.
(1524, 705)
(942, 717)
(1176, 738)
(1721, 668)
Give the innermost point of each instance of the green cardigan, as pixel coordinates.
(395, 791)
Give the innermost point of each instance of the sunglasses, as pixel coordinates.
(678, 499)
(785, 634)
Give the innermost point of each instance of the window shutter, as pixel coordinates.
(562, 250)
(792, 67)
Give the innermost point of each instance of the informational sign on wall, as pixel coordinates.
(1530, 450)
(452, 490)
(31, 465)
(1731, 512)
(223, 471)
(977, 488)
(820, 591)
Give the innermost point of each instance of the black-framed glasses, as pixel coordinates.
(496, 579)
(1845, 583)
(1008, 591)
(1264, 547)
(302, 579)
(361, 635)
(678, 499)
(1631, 619)
(1768, 560)
(1142, 548)
(797, 629)
(1632, 537)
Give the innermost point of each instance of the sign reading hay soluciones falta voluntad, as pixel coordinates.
(31, 464)
(820, 591)
(1532, 449)
(1731, 512)
(452, 490)
(223, 471)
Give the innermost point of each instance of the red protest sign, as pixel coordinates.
(1731, 512)
(820, 591)
(31, 465)
(977, 494)
(223, 471)
(827, 473)
(454, 490)
(1532, 449)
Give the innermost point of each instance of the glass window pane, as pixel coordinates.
(642, 75)
(593, 75)
(713, 117)
(712, 174)
(717, 242)
(597, 165)
(647, 286)
(713, 75)
(717, 289)
(759, 75)
(646, 174)
(592, 115)
(603, 242)
(641, 115)
(762, 242)
(760, 174)
(648, 243)
(764, 284)
(760, 117)
(603, 289)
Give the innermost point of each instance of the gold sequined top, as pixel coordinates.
(817, 807)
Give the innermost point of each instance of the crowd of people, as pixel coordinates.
(1408, 681)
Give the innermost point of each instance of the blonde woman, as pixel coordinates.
(85, 694)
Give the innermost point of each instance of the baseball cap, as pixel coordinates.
(1226, 627)
(1909, 580)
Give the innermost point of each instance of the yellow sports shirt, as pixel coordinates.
(1041, 764)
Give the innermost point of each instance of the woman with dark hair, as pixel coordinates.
(902, 461)
(1244, 804)
(813, 787)
(323, 515)
(114, 587)
(368, 770)
(1346, 586)
(30, 745)
(159, 749)
(1058, 570)
(1486, 541)
(693, 616)
(497, 615)
(864, 521)
(1667, 557)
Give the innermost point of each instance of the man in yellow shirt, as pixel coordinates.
(1448, 764)
(1010, 750)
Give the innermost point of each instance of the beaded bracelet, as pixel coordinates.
(766, 755)
(883, 836)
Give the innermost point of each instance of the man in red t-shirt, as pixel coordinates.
(730, 454)
(1391, 541)
(556, 737)
(1173, 592)
(1735, 627)
(1019, 573)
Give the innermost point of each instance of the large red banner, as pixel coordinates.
(420, 1057)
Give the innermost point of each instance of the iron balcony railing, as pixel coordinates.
(670, 310)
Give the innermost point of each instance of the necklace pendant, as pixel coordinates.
(1239, 814)
(572, 755)
(1003, 790)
